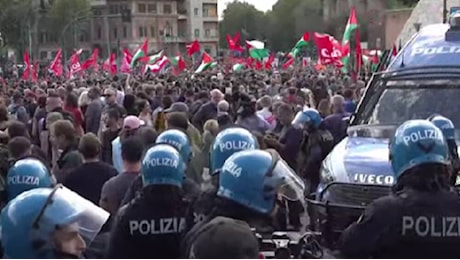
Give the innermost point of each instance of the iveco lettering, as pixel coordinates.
(421, 80)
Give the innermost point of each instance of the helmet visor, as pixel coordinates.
(291, 186)
(81, 213)
(300, 120)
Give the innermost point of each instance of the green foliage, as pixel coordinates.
(280, 28)
(15, 16)
(65, 12)
(409, 3)
(244, 18)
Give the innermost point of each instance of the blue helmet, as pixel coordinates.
(27, 174)
(308, 117)
(255, 178)
(177, 139)
(446, 126)
(163, 164)
(417, 142)
(228, 142)
(30, 220)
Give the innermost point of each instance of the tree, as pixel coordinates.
(289, 20)
(243, 18)
(15, 18)
(409, 3)
(69, 18)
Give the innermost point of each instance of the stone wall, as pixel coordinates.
(425, 13)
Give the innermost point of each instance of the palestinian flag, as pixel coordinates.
(206, 63)
(158, 66)
(257, 49)
(152, 59)
(238, 67)
(141, 52)
(351, 30)
(303, 41)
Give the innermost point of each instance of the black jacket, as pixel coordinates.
(150, 226)
(407, 224)
(190, 188)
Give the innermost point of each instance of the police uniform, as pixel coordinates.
(148, 228)
(408, 224)
(421, 218)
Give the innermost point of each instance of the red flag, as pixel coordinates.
(56, 65)
(75, 65)
(329, 51)
(394, 51)
(288, 63)
(193, 48)
(304, 62)
(269, 61)
(26, 73)
(249, 62)
(234, 43)
(126, 61)
(110, 65)
(35, 72)
(92, 61)
(258, 65)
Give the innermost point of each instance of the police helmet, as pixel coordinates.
(309, 117)
(228, 142)
(445, 124)
(417, 142)
(177, 139)
(31, 221)
(256, 178)
(27, 174)
(163, 165)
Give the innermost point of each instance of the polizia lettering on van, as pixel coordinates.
(435, 50)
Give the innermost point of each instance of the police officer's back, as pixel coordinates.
(420, 218)
(226, 143)
(317, 144)
(250, 184)
(150, 225)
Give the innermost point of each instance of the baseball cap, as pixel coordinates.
(177, 107)
(132, 122)
(225, 238)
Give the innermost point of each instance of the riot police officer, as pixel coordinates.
(419, 219)
(150, 225)
(317, 144)
(250, 184)
(27, 174)
(49, 223)
(226, 143)
(448, 130)
(181, 142)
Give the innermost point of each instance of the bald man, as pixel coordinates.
(208, 110)
(335, 122)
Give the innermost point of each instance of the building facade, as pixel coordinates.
(168, 25)
(199, 21)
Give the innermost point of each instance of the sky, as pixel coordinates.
(262, 5)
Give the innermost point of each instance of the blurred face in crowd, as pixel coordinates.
(216, 96)
(285, 115)
(53, 103)
(110, 96)
(68, 240)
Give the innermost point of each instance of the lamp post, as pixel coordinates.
(444, 11)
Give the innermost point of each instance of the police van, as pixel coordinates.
(423, 79)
